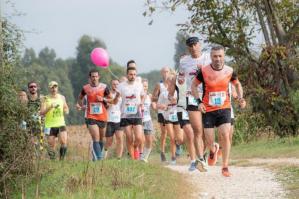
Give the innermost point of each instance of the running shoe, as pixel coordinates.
(144, 160)
(201, 165)
(163, 157)
(178, 150)
(173, 161)
(192, 166)
(225, 172)
(213, 156)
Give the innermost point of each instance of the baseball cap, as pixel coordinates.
(192, 40)
(53, 83)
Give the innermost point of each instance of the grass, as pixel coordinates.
(290, 178)
(268, 148)
(107, 179)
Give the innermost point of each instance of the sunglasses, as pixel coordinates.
(32, 86)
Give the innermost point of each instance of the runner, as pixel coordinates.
(159, 90)
(183, 119)
(132, 95)
(113, 125)
(189, 64)
(53, 107)
(147, 123)
(96, 114)
(169, 106)
(215, 103)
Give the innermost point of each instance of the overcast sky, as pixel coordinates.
(59, 24)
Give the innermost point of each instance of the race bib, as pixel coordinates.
(114, 116)
(173, 117)
(192, 101)
(217, 98)
(96, 108)
(185, 115)
(130, 109)
(47, 131)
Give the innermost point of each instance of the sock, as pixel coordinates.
(146, 153)
(62, 151)
(101, 145)
(96, 152)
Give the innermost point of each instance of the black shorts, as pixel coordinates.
(130, 121)
(112, 128)
(100, 124)
(170, 122)
(191, 107)
(161, 119)
(216, 118)
(54, 131)
(181, 121)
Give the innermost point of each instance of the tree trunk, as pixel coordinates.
(262, 23)
(270, 22)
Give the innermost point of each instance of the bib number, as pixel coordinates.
(173, 117)
(217, 98)
(114, 116)
(192, 101)
(185, 115)
(131, 109)
(96, 108)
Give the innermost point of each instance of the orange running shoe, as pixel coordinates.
(213, 157)
(219, 154)
(225, 172)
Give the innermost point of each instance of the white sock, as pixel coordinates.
(146, 153)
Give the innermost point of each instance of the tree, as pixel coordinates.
(269, 74)
(180, 47)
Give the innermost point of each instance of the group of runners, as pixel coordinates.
(190, 103)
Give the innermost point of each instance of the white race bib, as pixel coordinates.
(192, 101)
(185, 115)
(96, 108)
(130, 109)
(114, 116)
(47, 131)
(173, 117)
(217, 98)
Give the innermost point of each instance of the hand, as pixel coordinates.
(202, 108)
(100, 98)
(141, 107)
(78, 107)
(181, 80)
(199, 66)
(242, 103)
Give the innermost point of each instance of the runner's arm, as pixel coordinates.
(79, 104)
(65, 106)
(156, 93)
(235, 81)
(196, 81)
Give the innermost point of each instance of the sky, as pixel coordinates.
(59, 24)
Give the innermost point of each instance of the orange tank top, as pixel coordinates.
(215, 87)
(95, 108)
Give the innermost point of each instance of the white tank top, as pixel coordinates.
(147, 109)
(114, 111)
(163, 93)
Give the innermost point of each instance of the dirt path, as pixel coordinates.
(246, 182)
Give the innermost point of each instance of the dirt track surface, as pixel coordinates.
(246, 182)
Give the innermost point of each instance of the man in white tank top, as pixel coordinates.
(189, 65)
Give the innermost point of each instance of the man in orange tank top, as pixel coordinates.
(98, 95)
(215, 103)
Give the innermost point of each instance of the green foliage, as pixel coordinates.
(15, 146)
(106, 179)
(180, 48)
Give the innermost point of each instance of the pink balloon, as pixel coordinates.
(100, 57)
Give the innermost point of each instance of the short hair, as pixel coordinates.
(114, 80)
(32, 82)
(130, 62)
(144, 80)
(93, 71)
(217, 47)
(130, 68)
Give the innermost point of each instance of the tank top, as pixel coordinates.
(147, 109)
(114, 111)
(163, 92)
(55, 116)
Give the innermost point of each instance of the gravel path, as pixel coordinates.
(246, 182)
